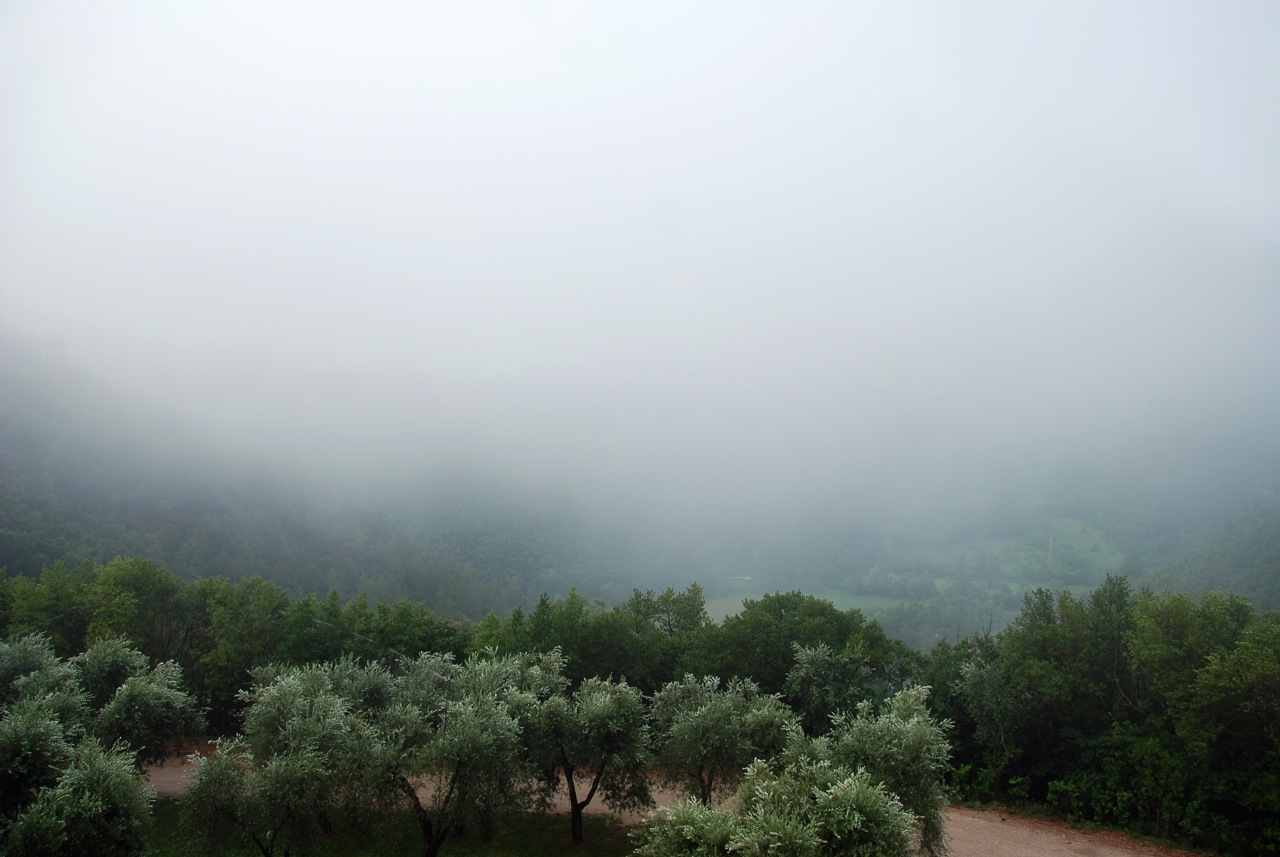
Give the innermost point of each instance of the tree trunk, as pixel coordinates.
(575, 808)
(265, 847)
(430, 846)
(578, 807)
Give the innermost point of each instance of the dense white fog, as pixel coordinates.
(718, 258)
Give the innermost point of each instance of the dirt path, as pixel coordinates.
(970, 833)
(170, 778)
(994, 833)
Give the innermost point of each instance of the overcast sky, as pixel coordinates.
(683, 246)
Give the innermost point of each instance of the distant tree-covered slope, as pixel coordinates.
(87, 474)
(1161, 495)
(1245, 559)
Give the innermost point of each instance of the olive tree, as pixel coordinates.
(433, 735)
(34, 751)
(72, 735)
(454, 752)
(901, 747)
(705, 734)
(99, 805)
(276, 788)
(449, 741)
(594, 741)
(144, 706)
(823, 681)
(805, 808)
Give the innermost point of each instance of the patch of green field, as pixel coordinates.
(1078, 550)
(725, 605)
(1089, 542)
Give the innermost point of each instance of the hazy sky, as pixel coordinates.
(760, 247)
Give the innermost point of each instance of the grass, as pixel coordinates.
(1080, 552)
(532, 834)
(1075, 543)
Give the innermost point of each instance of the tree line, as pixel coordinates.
(1156, 712)
(218, 631)
(458, 745)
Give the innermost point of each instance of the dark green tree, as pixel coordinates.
(58, 606)
(240, 628)
(757, 643)
(135, 599)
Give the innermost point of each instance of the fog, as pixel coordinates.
(712, 260)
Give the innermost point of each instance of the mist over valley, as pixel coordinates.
(914, 311)
(91, 473)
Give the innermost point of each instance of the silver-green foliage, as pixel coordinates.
(691, 828)
(128, 701)
(30, 673)
(105, 666)
(149, 712)
(905, 749)
(454, 747)
(807, 809)
(72, 734)
(341, 737)
(34, 751)
(705, 734)
(823, 680)
(593, 741)
(276, 805)
(304, 756)
(99, 806)
(870, 786)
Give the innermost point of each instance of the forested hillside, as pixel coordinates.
(89, 474)
(1244, 559)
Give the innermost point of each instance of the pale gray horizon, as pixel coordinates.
(678, 254)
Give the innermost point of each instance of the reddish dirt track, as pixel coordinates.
(970, 833)
(170, 778)
(995, 833)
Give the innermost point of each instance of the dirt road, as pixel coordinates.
(992, 833)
